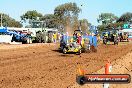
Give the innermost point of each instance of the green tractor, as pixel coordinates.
(110, 35)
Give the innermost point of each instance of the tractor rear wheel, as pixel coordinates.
(115, 41)
(127, 40)
(105, 41)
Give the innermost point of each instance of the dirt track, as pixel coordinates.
(42, 66)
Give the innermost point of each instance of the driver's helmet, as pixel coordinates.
(106, 33)
(79, 34)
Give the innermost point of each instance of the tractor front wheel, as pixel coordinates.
(79, 52)
(115, 41)
(64, 50)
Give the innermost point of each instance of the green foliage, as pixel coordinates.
(8, 21)
(31, 15)
(66, 9)
(115, 25)
(112, 25)
(75, 23)
(84, 25)
(107, 18)
(101, 27)
(126, 18)
(50, 20)
(65, 13)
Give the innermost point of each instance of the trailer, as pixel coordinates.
(15, 36)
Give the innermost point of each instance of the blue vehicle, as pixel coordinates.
(17, 37)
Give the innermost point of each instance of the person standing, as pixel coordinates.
(79, 39)
(54, 37)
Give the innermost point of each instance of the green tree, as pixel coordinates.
(84, 25)
(66, 13)
(101, 27)
(31, 15)
(9, 22)
(115, 25)
(106, 18)
(75, 24)
(50, 20)
(126, 18)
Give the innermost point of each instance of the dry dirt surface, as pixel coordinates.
(42, 66)
(121, 65)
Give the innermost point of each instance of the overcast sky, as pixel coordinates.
(90, 8)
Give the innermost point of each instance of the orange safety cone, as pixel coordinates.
(108, 67)
(81, 72)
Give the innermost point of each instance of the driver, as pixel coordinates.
(106, 34)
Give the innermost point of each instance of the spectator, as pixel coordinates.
(54, 37)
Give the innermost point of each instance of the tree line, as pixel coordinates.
(9, 21)
(109, 20)
(65, 17)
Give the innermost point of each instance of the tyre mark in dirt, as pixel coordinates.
(23, 58)
(54, 69)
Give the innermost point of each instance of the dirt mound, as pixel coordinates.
(42, 66)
